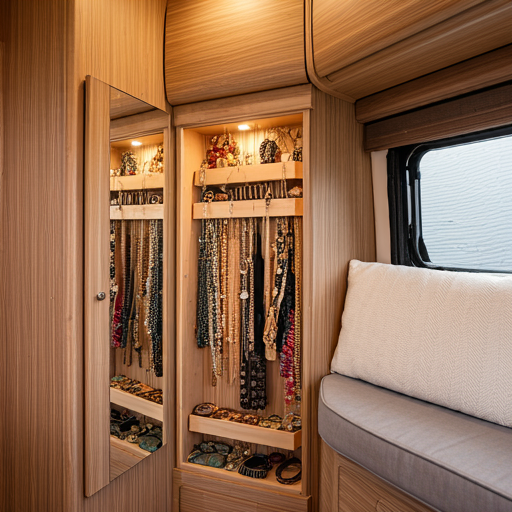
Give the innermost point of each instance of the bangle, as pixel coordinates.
(206, 409)
(256, 466)
(276, 458)
(294, 463)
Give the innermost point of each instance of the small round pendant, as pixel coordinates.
(244, 295)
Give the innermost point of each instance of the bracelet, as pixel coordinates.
(294, 462)
(276, 458)
(256, 466)
(205, 410)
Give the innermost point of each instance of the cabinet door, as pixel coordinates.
(127, 239)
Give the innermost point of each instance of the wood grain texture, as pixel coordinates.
(321, 82)
(123, 456)
(218, 49)
(137, 126)
(480, 29)
(360, 490)
(193, 501)
(248, 208)
(250, 493)
(479, 111)
(37, 309)
(253, 106)
(483, 71)
(41, 258)
(337, 185)
(345, 32)
(247, 433)
(96, 279)
(250, 173)
(137, 404)
(122, 43)
(338, 226)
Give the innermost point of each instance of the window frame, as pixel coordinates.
(404, 198)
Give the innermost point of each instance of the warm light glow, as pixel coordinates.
(244, 127)
(136, 143)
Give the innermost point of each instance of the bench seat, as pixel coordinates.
(451, 461)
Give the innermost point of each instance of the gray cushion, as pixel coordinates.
(451, 461)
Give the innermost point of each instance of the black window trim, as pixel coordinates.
(407, 246)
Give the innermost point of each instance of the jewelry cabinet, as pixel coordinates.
(328, 230)
(128, 288)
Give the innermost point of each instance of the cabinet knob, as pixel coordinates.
(101, 296)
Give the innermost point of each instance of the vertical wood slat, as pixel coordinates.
(96, 313)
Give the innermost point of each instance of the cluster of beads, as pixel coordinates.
(136, 288)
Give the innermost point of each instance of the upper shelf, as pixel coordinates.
(250, 173)
(137, 212)
(137, 404)
(289, 207)
(137, 182)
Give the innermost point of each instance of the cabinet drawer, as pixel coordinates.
(197, 500)
(362, 491)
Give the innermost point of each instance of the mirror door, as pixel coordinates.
(126, 276)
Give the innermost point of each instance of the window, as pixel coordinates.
(451, 203)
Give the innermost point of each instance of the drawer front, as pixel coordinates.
(196, 500)
(361, 491)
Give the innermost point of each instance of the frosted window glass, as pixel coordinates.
(466, 205)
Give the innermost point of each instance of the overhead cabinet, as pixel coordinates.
(360, 48)
(220, 49)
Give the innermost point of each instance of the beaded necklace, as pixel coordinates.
(202, 291)
(298, 310)
(127, 282)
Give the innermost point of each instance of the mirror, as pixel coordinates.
(125, 293)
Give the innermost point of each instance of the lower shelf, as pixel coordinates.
(269, 482)
(123, 456)
(248, 433)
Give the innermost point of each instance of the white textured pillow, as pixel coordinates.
(443, 337)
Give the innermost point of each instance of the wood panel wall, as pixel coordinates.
(122, 44)
(38, 310)
(50, 46)
(339, 225)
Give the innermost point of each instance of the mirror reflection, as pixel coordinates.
(137, 164)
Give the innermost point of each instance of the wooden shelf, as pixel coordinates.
(290, 207)
(250, 173)
(123, 456)
(137, 182)
(137, 212)
(269, 483)
(248, 433)
(137, 404)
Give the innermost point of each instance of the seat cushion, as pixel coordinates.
(451, 461)
(443, 337)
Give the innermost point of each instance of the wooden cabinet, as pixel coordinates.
(222, 48)
(347, 487)
(336, 212)
(358, 49)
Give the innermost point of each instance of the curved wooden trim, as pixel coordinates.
(483, 71)
(317, 81)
